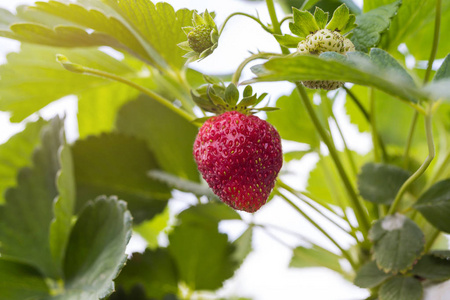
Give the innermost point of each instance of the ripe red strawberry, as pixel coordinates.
(239, 156)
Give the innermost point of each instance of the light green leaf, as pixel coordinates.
(370, 276)
(434, 205)
(380, 70)
(63, 206)
(169, 136)
(293, 122)
(432, 267)
(28, 212)
(372, 24)
(339, 19)
(379, 183)
(288, 156)
(398, 243)
(96, 249)
(19, 281)
(154, 270)
(203, 256)
(315, 256)
(32, 78)
(401, 288)
(16, 153)
(150, 230)
(114, 164)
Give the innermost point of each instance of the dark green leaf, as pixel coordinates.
(401, 288)
(380, 70)
(203, 256)
(16, 153)
(293, 122)
(379, 183)
(398, 243)
(26, 217)
(370, 276)
(432, 267)
(444, 70)
(434, 205)
(19, 282)
(315, 256)
(168, 136)
(96, 249)
(155, 271)
(371, 24)
(114, 164)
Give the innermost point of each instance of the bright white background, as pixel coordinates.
(265, 274)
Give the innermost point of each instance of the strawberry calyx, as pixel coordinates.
(217, 99)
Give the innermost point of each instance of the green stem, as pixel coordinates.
(373, 123)
(275, 24)
(423, 167)
(287, 18)
(237, 74)
(440, 169)
(346, 149)
(434, 48)
(360, 213)
(324, 215)
(284, 230)
(433, 238)
(409, 140)
(344, 252)
(85, 70)
(367, 117)
(245, 15)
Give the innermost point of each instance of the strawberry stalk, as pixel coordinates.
(360, 212)
(275, 24)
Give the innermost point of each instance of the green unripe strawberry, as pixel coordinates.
(200, 38)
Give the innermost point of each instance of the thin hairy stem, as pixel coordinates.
(245, 15)
(275, 23)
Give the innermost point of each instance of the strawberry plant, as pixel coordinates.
(153, 131)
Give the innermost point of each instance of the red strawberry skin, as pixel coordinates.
(239, 156)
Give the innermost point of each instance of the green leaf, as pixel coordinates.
(154, 271)
(370, 276)
(203, 256)
(16, 153)
(30, 77)
(315, 256)
(63, 206)
(28, 212)
(380, 70)
(432, 267)
(444, 70)
(243, 245)
(304, 23)
(288, 156)
(340, 18)
(398, 243)
(19, 281)
(293, 122)
(169, 136)
(372, 24)
(401, 288)
(434, 205)
(379, 183)
(210, 213)
(150, 230)
(114, 164)
(96, 249)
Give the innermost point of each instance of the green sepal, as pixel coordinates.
(185, 46)
(268, 108)
(304, 23)
(340, 18)
(217, 100)
(248, 91)
(350, 25)
(248, 101)
(214, 37)
(208, 19)
(197, 19)
(261, 98)
(321, 17)
(187, 29)
(231, 95)
(211, 79)
(288, 40)
(204, 102)
(199, 121)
